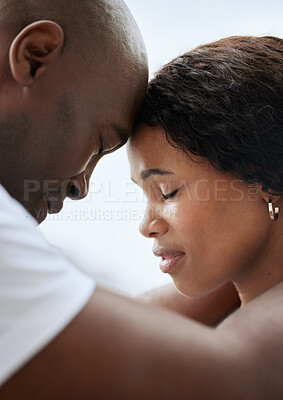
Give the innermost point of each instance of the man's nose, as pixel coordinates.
(153, 225)
(79, 186)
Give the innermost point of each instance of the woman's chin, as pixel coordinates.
(190, 290)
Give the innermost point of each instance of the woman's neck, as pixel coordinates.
(267, 273)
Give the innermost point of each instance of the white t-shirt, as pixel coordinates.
(40, 291)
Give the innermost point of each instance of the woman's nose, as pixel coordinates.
(78, 186)
(153, 225)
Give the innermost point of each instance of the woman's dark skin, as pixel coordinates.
(116, 347)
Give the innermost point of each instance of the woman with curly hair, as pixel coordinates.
(208, 152)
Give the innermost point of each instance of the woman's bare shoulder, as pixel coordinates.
(264, 309)
(254, 337)
(258, 329)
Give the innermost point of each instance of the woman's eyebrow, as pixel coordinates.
(155, 171)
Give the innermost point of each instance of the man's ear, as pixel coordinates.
(34, 48)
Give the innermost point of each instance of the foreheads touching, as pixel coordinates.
(75, 69)
(224, 101)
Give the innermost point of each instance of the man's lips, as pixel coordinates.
(169, 258)
(55, 205)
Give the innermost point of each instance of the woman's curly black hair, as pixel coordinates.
(224, 101)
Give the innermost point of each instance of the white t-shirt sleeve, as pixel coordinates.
(40, 291)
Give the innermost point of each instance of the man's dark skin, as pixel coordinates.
(68, 96)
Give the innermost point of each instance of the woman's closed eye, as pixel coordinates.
(169, 195)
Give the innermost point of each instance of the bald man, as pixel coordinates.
(73, 74)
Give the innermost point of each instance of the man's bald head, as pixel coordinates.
(84, 22)
(73, 76)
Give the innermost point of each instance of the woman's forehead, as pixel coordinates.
(148, 149)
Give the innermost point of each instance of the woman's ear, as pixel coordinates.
(271, 199)
(268, 196)
(34, 48)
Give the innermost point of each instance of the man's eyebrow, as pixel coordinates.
(122, 133)
(155, 171)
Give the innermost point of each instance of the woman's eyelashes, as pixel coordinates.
(169, 195)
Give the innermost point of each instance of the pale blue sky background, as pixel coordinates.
(100, 234)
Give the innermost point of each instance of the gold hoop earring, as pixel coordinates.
(273, 212)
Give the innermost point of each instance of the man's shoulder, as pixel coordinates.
(12, 211)
(36, 280)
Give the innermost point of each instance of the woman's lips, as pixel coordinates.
(169, 258)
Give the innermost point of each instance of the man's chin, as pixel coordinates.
(36, 207)
(37, 211)
(43, 208)
(39, 214)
